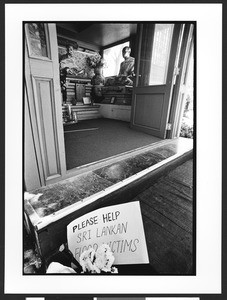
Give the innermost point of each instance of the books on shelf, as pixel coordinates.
(77, 88)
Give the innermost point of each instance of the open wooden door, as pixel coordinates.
(43, 111)
(155, 72)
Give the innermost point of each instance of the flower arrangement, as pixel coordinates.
(186, 130)
(91, 261)
(98, 261)
(95, 61)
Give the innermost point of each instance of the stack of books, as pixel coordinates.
(70, 92)
(88, 88)
(77, 88)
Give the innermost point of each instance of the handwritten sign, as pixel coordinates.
(119, 226)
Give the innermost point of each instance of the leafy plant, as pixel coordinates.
(95, 61)
(186, 130)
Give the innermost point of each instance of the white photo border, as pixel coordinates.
(209, 116)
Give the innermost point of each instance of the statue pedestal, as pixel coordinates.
(98, 79)
(122, 95)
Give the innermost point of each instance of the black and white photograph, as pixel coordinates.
(112, 165)
(109, 189)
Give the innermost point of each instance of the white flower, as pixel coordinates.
(95, 262)
(104, 258)
(100, 261)
(87, 259)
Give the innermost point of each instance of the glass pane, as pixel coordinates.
(37, 39)
(113, 58)
(155, 54)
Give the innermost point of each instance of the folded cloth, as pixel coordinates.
(56, 267)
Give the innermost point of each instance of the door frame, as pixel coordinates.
(36, 70)
(178, 99)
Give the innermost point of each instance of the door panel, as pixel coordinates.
(31, 174)
(142, 113)
(44, 97)
(41, 68)
(47, 126)
(154, 81)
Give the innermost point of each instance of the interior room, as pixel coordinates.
(109, 115)
(108, 120)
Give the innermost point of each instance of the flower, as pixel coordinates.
(104, 258)
(87, 259)
(98, 261)
(95, 61)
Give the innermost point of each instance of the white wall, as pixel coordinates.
(116, 112)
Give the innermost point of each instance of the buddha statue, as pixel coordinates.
(126, 68)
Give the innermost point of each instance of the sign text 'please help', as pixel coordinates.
(119, 226)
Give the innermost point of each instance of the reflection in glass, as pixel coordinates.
(155, 53)
(37, 39)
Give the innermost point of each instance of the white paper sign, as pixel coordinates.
(119, 226)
